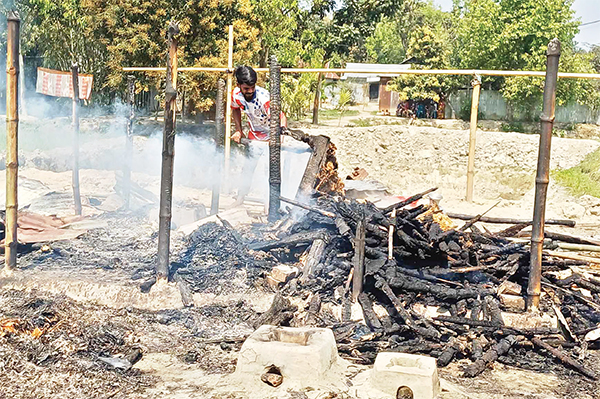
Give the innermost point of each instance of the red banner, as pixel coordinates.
(60, 84)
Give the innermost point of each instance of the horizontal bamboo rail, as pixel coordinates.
(467, 72)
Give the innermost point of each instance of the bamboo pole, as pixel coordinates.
(542, 178)
(168, 156)
(274, 140)
(465, 72)
(228, 107)
(129, 141)
(476, 83)
(75, 174)
(359, 260)
(315, 118)
(12, 134)
(216, 189)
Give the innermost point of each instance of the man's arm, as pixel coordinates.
(237, 119)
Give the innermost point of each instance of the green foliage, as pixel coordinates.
(514, 35)
(583, 178)
(428, 48)
(335, 114)
(345, 98)
(513, 127)
(385, 46)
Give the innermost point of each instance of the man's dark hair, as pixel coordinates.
(245, 75)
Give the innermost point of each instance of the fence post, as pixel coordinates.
(542, 177)
(168, 156)
(129, 141)
(476, 83)
(12, 135)
(317, 102)
(75, 175)
(216, 189)
(228, 109)
(274, 139)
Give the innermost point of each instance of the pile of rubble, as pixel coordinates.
(399, 279)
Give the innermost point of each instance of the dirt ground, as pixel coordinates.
(90, 285)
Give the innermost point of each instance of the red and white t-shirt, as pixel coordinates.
(257, 111)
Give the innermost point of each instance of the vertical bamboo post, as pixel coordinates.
(216, 189)
(12, 130)
(168, 156)
(476, 83)
(542, 177)
(75, 175)
(274, 140)
(228, 107)
(129, 141)
(359, 260)
(317, 102)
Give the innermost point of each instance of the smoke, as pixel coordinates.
(46, 143)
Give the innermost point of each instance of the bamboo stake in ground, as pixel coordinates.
(534, 286)
(476, 83)
(228, 107)
(359, 260)
(317, 102)
(12, 128)
(216, 189)
(168, 155)
(274, 141)
(129, 142)
(75, 175)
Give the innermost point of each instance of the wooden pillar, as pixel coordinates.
(228, 107)
(476, 83)
(75, 174)
(274, 140)
(168, 156)
(543, 176)
(12, 134)
(129, 141)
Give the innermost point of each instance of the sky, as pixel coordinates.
(585, 10)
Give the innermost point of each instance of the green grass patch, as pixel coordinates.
(362, 122)
(583, 178)
(334, 113)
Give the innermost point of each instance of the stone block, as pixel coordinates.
(303, 356)
(393, 371)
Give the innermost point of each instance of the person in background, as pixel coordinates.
(255, 102)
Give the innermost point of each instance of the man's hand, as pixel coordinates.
(237, 136)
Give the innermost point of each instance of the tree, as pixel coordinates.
(429, 51)
(385, 46)
(514, 35)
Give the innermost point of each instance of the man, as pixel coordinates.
(255, 102)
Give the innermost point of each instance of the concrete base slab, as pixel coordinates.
(305, 357)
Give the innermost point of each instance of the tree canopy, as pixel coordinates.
(105, 35)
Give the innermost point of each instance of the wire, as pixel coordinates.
(590, 23)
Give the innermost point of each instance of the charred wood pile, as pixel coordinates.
(422, 287)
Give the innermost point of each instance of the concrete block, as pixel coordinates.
(393, 371)
(303, 355)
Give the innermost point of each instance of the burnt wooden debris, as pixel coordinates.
(347, 259)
